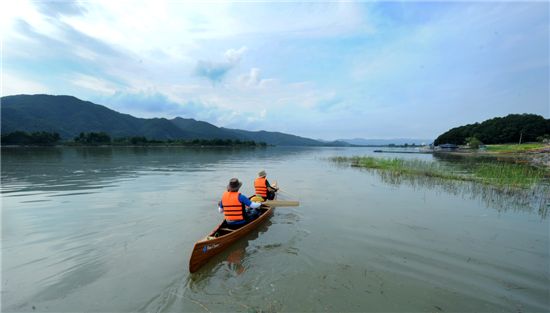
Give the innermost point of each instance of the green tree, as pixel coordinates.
(16, 138)
(36, 138)
(473, 142)
(544, 138)
(506, 129)
(93, 138)
(138, 140)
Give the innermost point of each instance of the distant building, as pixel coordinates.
(448, 146)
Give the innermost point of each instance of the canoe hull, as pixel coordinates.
(208, 247)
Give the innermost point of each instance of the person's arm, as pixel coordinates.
(220, 207)
(269, 187)
(244, 200)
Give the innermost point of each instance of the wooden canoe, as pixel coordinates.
(221, 238)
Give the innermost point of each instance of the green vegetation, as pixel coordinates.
(102, 138)
(507, 174)
(498, 174)
(473, 142)
(35, 138)
(512, 128)
(92, 138)
(511, 148)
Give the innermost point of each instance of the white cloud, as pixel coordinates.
(253, 79)
(233, 56)
(13, 84)
(216, 71)
(13, 11)
(94, 84)
(179, 28)
(280, 61)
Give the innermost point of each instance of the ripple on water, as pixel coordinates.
(468, 272)
(294, 263)
(34, 201)
(68, 194)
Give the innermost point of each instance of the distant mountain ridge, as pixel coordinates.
(385, 142)
(69, 116)
(274, 138)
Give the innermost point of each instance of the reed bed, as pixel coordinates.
(498, 174)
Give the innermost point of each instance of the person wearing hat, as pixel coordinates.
(263, 188)
(233, 205)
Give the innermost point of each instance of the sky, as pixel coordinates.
(323, 70)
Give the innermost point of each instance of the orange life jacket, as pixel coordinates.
(232, 207)
(261, 186)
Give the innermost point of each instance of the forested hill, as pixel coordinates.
(497, 130)
(69, 116)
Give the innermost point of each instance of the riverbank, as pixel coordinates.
(535, 154)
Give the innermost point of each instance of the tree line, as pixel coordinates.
(102, 138)
(513, 128)
(35, 138)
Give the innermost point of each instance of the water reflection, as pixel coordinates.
(235, 260)
(536, 199)
(215, 280)
(231, 261)
(54, 169)
(127, 248)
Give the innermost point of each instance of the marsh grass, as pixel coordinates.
(500, 185)
(508, 174)
(498, 174)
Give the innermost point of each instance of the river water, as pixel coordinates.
(112, 229)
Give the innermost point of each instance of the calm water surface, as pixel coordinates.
(111, 230)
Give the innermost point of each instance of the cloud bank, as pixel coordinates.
(216, 71)
(380, 69)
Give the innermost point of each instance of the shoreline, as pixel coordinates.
(538, 157)
(537, 154)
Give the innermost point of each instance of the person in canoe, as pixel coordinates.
(263, 188)
(234, 203)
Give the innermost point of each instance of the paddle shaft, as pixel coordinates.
(279, 203)
(287, 192)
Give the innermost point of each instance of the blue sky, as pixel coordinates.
(326, 70)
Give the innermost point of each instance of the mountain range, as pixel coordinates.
(385, 142)
(69, 116)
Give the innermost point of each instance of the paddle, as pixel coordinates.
(279, 203)
(281, 191)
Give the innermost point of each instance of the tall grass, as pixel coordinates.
(508, 175)
(499, 174)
